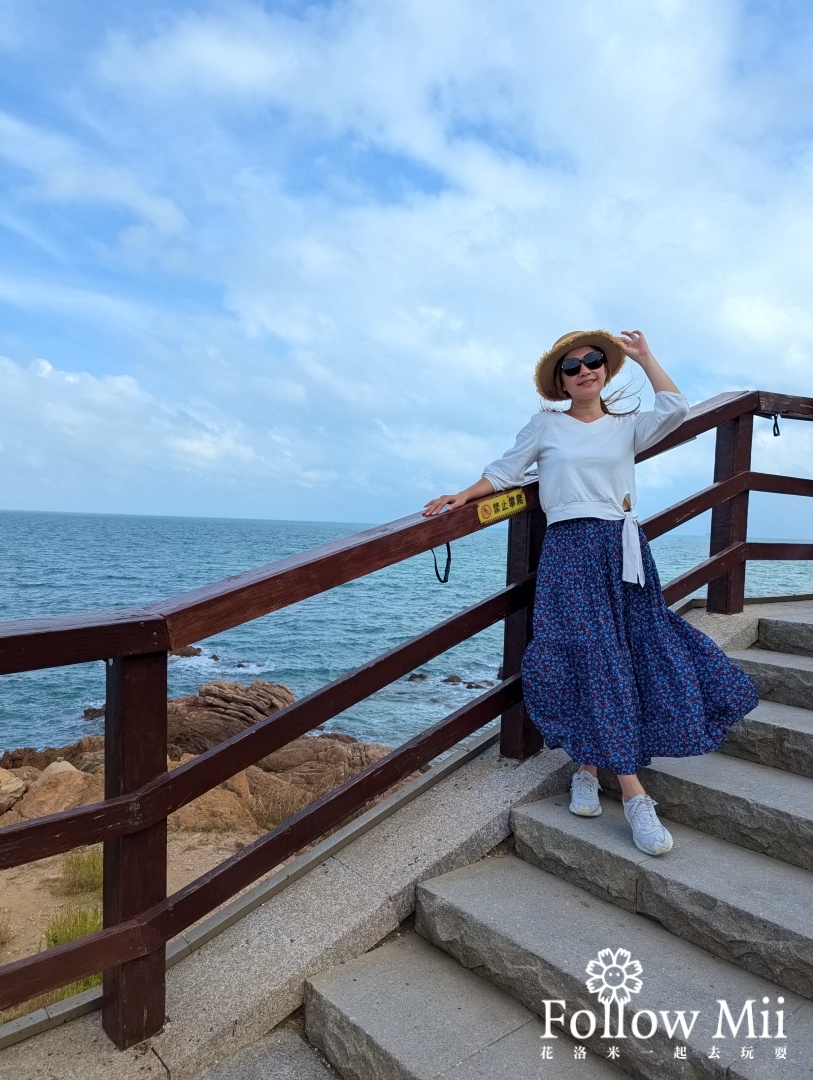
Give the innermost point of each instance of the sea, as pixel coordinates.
(56, 563)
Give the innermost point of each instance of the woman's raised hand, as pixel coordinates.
(434, 506)
(635, 345)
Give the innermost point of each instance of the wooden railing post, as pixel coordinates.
(526, 532)
(729, 520)
(135, 866)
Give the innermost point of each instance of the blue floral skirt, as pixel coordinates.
(612, 675)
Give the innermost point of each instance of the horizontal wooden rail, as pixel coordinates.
(780, 485)
(704, 572)
(56, 640)
(686, 509)
(704, 417)
(33, 975)
(156, 800)
(755, 549)
(790, 406)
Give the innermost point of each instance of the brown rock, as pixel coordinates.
(219, 710)
(93, 714)
(186, 650)
(27, 773)
(12, 788)
(417, 676)
(315, 764)
(27, 756)
(273, 798)
(41, 759)
(91, 762)
(453, 679)
(56, 767)
(217, 810)
(62, 787)
(239, 786)
(182, 760)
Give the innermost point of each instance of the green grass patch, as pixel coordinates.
(69, 925)
(81, 872)
(74, 923)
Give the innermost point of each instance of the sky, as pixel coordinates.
(298, 260)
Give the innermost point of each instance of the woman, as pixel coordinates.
(611, 674)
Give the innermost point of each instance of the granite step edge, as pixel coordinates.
(493, 923)
(766, 932)
(744, 802)
(774, 734)
(407, 1010)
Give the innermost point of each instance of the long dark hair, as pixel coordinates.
(607, 403)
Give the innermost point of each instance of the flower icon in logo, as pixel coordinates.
(614, 976)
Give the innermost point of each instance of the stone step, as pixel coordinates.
(774, 734)
(534, 936)
(758, 913)
(282, 1054)
(752, 805)
(406, 1011)
(788, 634)
(779, 676)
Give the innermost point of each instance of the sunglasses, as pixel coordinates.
(592, 362)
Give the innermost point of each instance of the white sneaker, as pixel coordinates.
(584, 789)
(647, 832)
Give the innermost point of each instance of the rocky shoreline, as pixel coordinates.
(35, 783)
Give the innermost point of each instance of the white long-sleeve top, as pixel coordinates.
(588, 469)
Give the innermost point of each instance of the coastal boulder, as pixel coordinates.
(316, 764)
(28, 757)
(273, 798)
(28, 774)
(220, 710)
(60, 787)
(12, 788)
(217, 810)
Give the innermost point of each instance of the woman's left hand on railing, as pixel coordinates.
(479, 490)
(434, 506)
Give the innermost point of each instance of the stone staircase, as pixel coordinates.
(500, 948)
(496, 962)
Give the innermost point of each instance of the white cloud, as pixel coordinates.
(66, 172)
(383, 212)
(105, 437)
(71, 302)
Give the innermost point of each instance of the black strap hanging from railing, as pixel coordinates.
(443, 580)
(776, 423)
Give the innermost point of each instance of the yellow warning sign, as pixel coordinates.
(501, 506)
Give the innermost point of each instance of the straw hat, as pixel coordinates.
(600, 339)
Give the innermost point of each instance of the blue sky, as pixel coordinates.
(298, 260)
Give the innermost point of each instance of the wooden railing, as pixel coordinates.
(139, 917)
